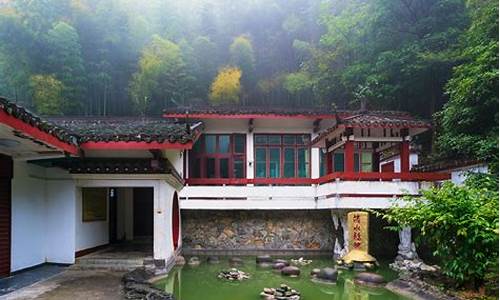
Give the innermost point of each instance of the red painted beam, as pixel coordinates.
(249, 116)
(36, 133)
(349, 156)
(404, 154)
(123, 145)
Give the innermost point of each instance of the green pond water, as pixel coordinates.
(201, 283)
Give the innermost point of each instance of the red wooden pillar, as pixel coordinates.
(349, 156)
(6, 174)
(329, 162)
(404, 154)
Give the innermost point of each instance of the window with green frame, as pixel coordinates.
(282, 155)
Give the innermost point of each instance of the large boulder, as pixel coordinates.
(282, 261)
(367, 278)
(278, 266)
(290, 271)
(328, 274)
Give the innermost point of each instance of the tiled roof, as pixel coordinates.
(111, 129)
(30, 118)
(111, 165)
(384, 119)
(244, 110)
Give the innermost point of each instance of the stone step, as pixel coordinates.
(107, 267)
(99, 261)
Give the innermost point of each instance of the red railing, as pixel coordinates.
(345, 176)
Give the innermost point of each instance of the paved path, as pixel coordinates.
(74, 285)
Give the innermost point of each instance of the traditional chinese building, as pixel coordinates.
(247, 179)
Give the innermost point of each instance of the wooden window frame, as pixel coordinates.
(202, 155)
(282, 148)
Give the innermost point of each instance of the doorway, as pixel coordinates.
(6, 173)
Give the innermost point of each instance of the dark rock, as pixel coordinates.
(283, 261)
(367, 278)
(137, 286)
(278, 266)
(213, 260)
(360, 267)
(328, 274)
(290, 271)
(264, 265)
(264, 259)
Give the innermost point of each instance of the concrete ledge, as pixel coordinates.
(252, 252)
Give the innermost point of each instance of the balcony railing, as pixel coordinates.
(342, 176)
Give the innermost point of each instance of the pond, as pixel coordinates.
(201, 282)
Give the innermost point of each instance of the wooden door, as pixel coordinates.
(5, 213)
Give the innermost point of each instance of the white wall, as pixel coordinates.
(459, 175)
(397, 162)
(28, 217)
(60, 220)
(90, 234)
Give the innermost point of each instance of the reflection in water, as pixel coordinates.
(195, 283)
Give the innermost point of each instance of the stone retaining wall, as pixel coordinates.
(257, 230)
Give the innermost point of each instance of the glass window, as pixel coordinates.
(260, 139)
(238, 168)
(356, 162)
(224, 144)
(289, 167)
(366, 162)
(239, 143)
(274, 139)
(210, 167)
(224, 167)
(195, 168)
(303, 162)
(338, 162)
(260, 163)
(210, 142)
(289, 139)
(322, 162)
(274, 162)
(302, 139)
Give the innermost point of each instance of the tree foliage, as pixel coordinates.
(469, 121)
(460, 223)
(161, 76)
(226, 87)
(48, 94)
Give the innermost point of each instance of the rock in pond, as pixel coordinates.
(194, 261)
(263, 259)
(315, 271)
(370, 279)
(328, 275)
(235, 261)
(290, 271)
(180, 260)
(213, 260)
(233, 275)
(301, 261)
(278, 266)
(284, 292)
(283, 261)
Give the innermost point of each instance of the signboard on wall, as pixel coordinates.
(94, 204)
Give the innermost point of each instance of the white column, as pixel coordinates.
(340, 245)
(162, 233)
(315, 163)
(250, 156)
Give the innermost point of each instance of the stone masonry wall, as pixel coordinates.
(250, 230)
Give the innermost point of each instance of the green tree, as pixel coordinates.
(460, 223)
(226, 87)
(65, 61)
(47, 94)
(469, 121)
(161, 76)
(242, 55)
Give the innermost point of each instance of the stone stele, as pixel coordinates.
(357, 223)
